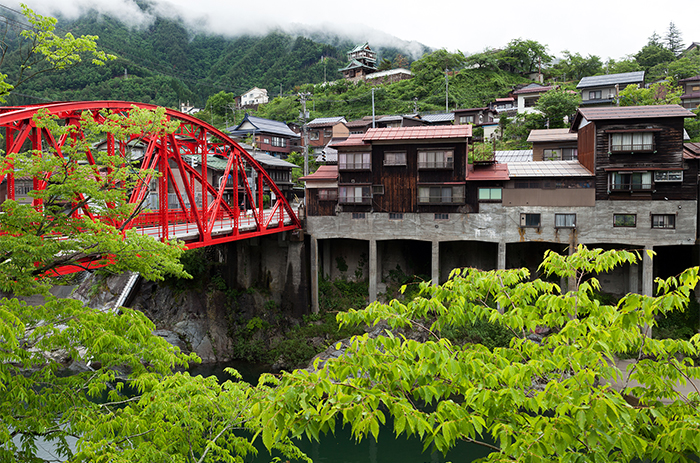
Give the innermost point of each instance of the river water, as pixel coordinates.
(341, 447)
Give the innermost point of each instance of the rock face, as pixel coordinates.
(195, 322)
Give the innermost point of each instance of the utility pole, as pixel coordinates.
(447, 92)
(303, 116)
(373, 124)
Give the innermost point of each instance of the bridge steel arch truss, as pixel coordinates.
(201, 216)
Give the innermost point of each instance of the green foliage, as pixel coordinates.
(529, 401)
(652, 55)
(575, 67)
(38, 50)
(221, 103)
(28, 248)
(341, 294)
(628, 64)
(659, 93)
(557, 104)
(692, 126)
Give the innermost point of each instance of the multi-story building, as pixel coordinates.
(407, 198)
(603, 90)
(272, 137)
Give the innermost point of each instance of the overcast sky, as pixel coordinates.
(607, 28)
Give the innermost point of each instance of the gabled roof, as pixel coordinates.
(444, 117)
(690, 79)
(321, 121)
(691, 150)
(551, 135)
(629, 112)
(547, 169)
(355, 139)
(268, 160)
(533, 88)
(256, 124)
(418, 133)
(513, 156)
(609, 80)
(324, 173)
(354, 64)
(364, 46)
(490, 172)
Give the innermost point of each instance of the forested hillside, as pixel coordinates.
(166, 64)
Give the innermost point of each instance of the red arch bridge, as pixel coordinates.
(188, 201)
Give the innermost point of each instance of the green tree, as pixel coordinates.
(628, 64)
(39, 50)
(221, 103)
(656, 94)
(524, 56)
(574, 66)
(535, 400)
(558, 104)
(652, 55)
(385, 65)
(673, 39)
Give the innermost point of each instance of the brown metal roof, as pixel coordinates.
(533, 89)
(633, 112)
(691, 150)
(354, 139)
(418, 133)
(551, 135)
(491, 172)
(323, 173)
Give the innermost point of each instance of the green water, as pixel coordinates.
(341, 447)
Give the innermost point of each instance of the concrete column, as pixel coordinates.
(435, 273)
(501, 264)
(373, 270)
(314, 275)
(647, 279)
(634, 278)
(327, 267)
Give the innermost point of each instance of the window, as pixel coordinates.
(562, 154)
(668, 176)
(528, 184)
(354, 194)
(358, 215)
(695, 88)
(594, 95)
(266, 140)
(624, 220)
(436, 159)
(313, 135)
(327, 194)
(442, 216)
(466, 119)
(490, 194)
(397, 158)
(395, 216)
(377, 189)
(531, 102)
(632, 141)
(354, 161)
(327, 133)
(279, 141)
(630, 181)
(441, 194)
(564, 220)
(663, 221)
(529, 220)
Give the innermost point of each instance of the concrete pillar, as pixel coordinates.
(435, 273)
(647, 279)
(634, 278)
(373, 270)
(314, 275)
(501, 264)
(326, 268)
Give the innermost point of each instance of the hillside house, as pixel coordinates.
(272, 137)
(253, 97)
(690, 99)
(321, 130)
(553, 145)
(603, 90)
(407, 199)
(528, 96)
(362, 62)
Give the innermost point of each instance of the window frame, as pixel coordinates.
(490, 199)
(666, 224)
(595, 94)
(365, 162)
(628, 183)
(327, 194)
(365, 196)
(395, 161)
(565, 215)
(622, 225)
(526, 222)
(632, 146)
(658, 176)
(457, 194)
(446, 163)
